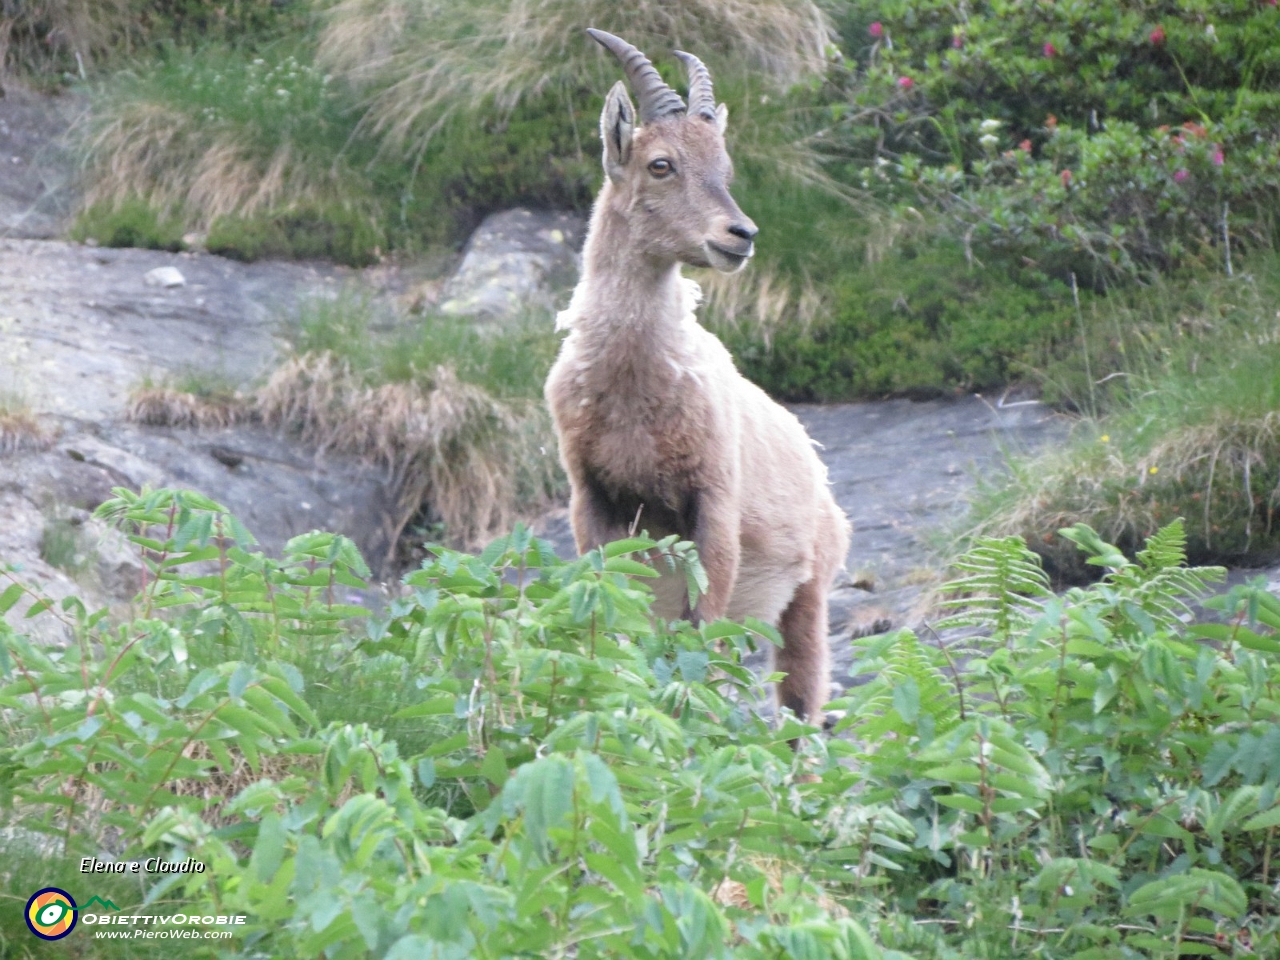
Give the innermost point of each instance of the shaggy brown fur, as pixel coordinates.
(654, 418)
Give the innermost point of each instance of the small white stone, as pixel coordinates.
(164, 277)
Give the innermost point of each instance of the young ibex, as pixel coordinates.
(654, 419)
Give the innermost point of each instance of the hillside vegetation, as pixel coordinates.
(1080, 197)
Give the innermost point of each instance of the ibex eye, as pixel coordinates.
(660, 167)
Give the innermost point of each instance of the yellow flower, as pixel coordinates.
(1106, 438)
(1153, 470)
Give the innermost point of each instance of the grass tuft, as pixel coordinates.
(446, 443)
(422, 61)
(19, 427)
(171, 407)
(43, 37)
(220, 133)
(1189, 427)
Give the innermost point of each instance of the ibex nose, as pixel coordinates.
(747, 231)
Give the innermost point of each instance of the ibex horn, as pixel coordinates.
(657, 100)
(702, 100)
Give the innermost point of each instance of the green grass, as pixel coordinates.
(1181, 417)
(510, 364)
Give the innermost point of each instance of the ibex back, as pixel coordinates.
(654, 419)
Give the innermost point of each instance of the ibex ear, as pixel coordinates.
(722, 117)
(617, 123)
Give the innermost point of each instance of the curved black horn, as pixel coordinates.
(657, 100)
(702, 100)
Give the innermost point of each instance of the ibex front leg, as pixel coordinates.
(715, 533)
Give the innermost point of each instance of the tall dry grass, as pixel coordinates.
(20, 429)
(474, 461)
(419, 61)
(43, 37)
(220, 132)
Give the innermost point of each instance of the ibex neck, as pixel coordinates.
(622, 287)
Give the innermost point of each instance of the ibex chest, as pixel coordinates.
(642, 433)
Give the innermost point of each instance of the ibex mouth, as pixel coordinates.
(726, 260)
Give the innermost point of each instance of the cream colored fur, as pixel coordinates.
(654, 419)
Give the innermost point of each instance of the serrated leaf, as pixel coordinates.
(1264, 820)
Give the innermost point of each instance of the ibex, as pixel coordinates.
(654, 419)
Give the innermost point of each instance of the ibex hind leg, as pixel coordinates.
(804, 656)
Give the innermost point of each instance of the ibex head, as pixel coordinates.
(670, 171)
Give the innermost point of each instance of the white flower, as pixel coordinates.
(990, 126)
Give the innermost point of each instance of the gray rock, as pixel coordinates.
(164, 277)
(79, 326)
(36, 170)
(516, 261)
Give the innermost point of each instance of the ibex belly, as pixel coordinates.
(763, 589)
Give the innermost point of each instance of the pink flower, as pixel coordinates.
(1066, 178)
(906, 83)
(1180, 175)
(1218, 157)
(1157, 35)
(1025, 146)
(957, 41)
(876, 30)
(1050, 50)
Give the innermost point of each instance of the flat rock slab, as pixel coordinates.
(904, 471)
(80, 326)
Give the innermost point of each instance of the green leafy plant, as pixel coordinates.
(514, 757)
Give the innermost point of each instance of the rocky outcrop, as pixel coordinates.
(515, 263)
(81, 327)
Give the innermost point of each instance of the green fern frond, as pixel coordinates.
(1001, 588)
(1165, 549)
(909, 681)
(1160, 584)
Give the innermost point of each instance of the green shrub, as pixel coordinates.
(922, 321)
(1109, 137)
(1068, 775)
(548, 771)
(130, 223)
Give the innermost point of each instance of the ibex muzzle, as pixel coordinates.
(671, 172)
